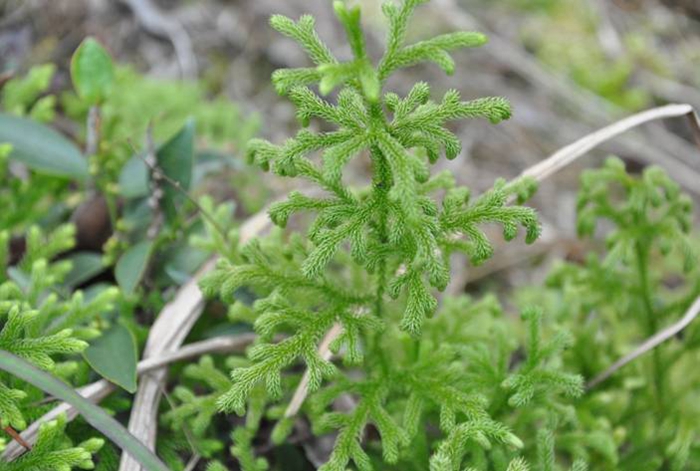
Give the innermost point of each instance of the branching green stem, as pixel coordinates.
(642, 257)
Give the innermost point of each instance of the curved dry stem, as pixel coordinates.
(649, 344)
(573, 151)
(166, 335)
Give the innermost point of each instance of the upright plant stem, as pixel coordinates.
(642, 255)
(382, 265)
(380, 187)
(92, 149)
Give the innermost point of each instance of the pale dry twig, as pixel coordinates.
(166, 335)
(649, 344)
(570, 153)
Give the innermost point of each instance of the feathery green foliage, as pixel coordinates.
(654, 214)
(347, 308)
(53, 451)
(625, 296)
(536, 377)
(43, 317)
(23, 95)
(34, 321)
(46, 329)
(373, 256)
(194, 414)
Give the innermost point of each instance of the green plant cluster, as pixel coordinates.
(356, 341)
(646, 280)
(53, 451)
(373, 256)
(564, 35)
(46, 329)
(409, 390)
(39, 325)
(59, 307)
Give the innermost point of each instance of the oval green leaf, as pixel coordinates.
(132, 266)
(92, 71)
(113, 355)
(86, 265)
(93, 414)
(41, 148)
(133, 179)
(175, 158)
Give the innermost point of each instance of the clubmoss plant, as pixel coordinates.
(46, 330)
(644, 282)
(55, 295)
(373, 257)
(53, 451)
